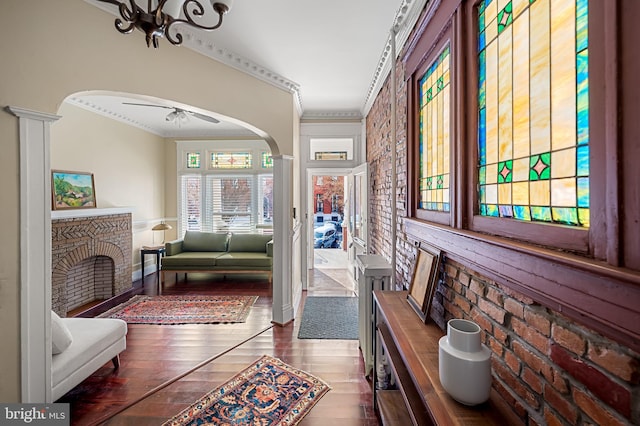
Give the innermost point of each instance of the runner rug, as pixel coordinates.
(329, 318)
(165, 310)
(268, 392)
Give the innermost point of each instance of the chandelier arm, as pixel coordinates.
(160, 17)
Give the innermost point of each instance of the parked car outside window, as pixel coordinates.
(325, 237)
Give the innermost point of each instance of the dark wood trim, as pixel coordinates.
(593, 293)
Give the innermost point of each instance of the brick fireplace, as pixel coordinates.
(90, 256)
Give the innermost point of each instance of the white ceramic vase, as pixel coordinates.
(464, 363)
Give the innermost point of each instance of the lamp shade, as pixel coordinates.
(162, 227)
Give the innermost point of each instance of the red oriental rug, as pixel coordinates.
(268, 392)
(165, 310)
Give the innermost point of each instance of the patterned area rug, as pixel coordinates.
(325, 317)
(268, 392)
(165, 310)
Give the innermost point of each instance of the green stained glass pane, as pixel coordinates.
(505, 169)
(482, 79)
(539, 167)
(566, 215)
(193, 160)
(483, 175)
(521, 212)
(541, 213)
(505, 18)
(267, 160)
(492, 210)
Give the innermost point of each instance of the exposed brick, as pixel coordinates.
(512, 361)
(531, 336)
(457, 287)
(501, 335)
(495, 346)
(561, 403)
(482, 321)
(514, 383)
(495, 312)
(477, 287)
(600, 414)
(514, 307)
(532, 379)
(494, 296)
(462, 303)
(538, 321)
(510, 399)
(622, 365)
(464, 278)
(451, 271)
(559, 382)
(600, 385)
(568, 339)
(551, 419)
(536, 363)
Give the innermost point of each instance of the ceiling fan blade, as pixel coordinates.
(204, 117)
(147, 105)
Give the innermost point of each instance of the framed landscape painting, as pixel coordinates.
(72, 190)
(424, 281)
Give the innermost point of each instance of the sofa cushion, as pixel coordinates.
(244, 260)
(255, 243)
(191, 258)
(61, 337)
(204, 241)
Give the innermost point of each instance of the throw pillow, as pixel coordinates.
(60, 335)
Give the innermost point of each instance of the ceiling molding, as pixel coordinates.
(331, 116)
(90, 106)
(405, 20)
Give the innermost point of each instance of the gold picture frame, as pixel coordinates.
(72, 190)
(424, 281)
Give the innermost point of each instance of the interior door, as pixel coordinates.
(358, 214)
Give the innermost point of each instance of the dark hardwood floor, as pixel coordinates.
(164, 368)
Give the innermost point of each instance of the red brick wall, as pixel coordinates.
(550, 369)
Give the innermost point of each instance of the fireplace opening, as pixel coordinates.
(89, 282)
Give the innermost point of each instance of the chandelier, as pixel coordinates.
(161, 15)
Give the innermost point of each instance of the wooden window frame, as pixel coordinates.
(565, 268)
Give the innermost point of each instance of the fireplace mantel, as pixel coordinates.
(69, 214)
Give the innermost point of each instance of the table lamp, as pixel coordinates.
(161, 227)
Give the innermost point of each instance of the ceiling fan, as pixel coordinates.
(178, 115)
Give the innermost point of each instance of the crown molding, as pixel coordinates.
(90, 106)
(352, 116)
(405, 20)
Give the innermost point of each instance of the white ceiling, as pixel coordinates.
(330, 54)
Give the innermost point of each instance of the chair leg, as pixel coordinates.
(116, 361)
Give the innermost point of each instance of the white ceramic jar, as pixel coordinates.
(464, 363)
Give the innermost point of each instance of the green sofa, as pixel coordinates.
(219, 253)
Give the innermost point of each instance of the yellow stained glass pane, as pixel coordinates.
(491, 12)
(492, 103)
(502, 4)
(563, 192)
(445, 128)
(505, 95)
(439, 196)
(504, 193)
(445, 196)
(518, 7)
(520, 169)
(446, 77)
(440, 149)
(563, 163)
(539, 193)
(434, 138)
(492, 173)
(540, 86)
(563, 74)
(446, 63)
(491, 32)
(491, 194)
(521, 86)
(520, 193)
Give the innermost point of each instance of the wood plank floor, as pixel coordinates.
(156, 355)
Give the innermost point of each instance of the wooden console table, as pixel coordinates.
(411, 349)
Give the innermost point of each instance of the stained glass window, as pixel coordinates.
(193, 160)
(533, 100)
(231, 160)
(434, 135)
(267, 160)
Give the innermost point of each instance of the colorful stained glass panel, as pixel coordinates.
(231, 160)
(193, 160)
(533, 103)
(267, 160)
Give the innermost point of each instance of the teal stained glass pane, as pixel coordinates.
(482, 193)
(481, 20)
(541, 213)
(446, 207)
(582, 96)
(481, 42)
(481, 7)
(583, 192)
(483, 175)
(483, 209)
(482, 80)
(567, 215)
(492, 210)
(506, 211)
(582, 33)
(582, 160)
(521, 212)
